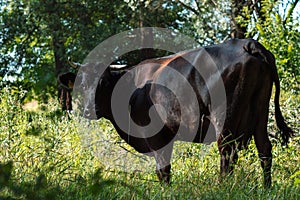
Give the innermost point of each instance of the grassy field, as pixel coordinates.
(43, 156)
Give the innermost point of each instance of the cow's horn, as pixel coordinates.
(118, 66)
(73, 64)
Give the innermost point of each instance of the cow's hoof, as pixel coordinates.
(164, 174)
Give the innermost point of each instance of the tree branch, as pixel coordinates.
(188, 7)
(290, 12)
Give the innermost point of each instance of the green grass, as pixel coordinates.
(43, 156)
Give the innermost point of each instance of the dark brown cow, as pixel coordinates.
(245, 68)
(64, 91)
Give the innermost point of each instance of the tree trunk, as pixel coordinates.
(64, 94)
(146, 36)
(147, 40)
(237, 31)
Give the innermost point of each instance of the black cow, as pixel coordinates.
(244, 67)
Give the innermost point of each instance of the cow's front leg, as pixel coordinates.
(163, 166)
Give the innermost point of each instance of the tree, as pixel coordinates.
(206, 21)
(237, 30)
(77, 22)
(38, 36)
(146, 13)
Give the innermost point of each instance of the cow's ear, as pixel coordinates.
(67, 79)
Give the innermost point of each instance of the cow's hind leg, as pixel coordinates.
(261, 136)
(264, 148)
(229, 156)
(163, 166)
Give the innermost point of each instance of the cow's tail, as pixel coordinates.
(286, 132)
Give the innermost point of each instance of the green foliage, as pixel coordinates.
(43, 157)
(26, 57)
(37, 37)
(208, 22)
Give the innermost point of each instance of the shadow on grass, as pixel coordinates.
(94, 187)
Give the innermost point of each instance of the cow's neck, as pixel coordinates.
(114, 78)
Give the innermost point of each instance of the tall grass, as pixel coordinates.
(42, 156)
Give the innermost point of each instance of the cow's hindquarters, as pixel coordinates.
(247, 113)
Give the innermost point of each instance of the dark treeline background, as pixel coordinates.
(37, 37)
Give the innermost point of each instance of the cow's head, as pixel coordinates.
(67, 80)
(94, 92)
